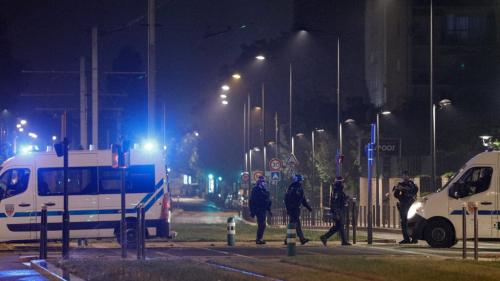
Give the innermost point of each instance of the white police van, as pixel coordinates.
(437, 218)
(30, 180)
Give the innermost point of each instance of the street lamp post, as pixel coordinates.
(339, 129)
(377, 169)
(443, 103)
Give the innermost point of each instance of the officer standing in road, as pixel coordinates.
(338, 204)
(260, 204)
(294, 198)
(406, 192)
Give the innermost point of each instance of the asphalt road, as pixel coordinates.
(195, 210)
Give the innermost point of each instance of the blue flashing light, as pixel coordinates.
(150, 145)
(220, 178)
(26, 149)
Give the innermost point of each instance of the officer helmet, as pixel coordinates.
(261, 179)
(406, 175)
(298, 178)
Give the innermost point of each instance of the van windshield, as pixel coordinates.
(451, 179)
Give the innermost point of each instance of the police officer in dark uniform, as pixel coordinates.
(260, 204)
(338, 204)
(294, 199)
(406, 192)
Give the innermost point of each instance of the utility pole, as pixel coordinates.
(95, 90)
(276, 134)
(83, 104)
(151, 67)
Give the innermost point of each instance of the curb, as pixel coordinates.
(48, 270)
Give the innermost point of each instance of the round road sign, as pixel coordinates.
(275, 164)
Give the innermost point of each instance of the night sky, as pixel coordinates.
(195, 40)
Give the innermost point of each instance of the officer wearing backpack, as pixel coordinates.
(294, 199)
(260, 204)
(338, 204)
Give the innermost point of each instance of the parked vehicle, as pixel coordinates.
(34, 179)
(437, 218)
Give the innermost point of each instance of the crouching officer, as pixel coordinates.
(338, 204)
(294, 199)
(260, 204)
(406, 192)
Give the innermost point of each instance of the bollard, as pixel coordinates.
(464, 231)
(139, 234)
(291, 234)
(231, 231)
(143, 232)
(476, 227)
(43, 233)
(347, 221)
(354, 221)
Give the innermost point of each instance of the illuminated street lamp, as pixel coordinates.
(225, 102)
(442, 104)
(23, 122)
(260, 57)
(223, 96)
(377, 165)
(225, 88)
(236, 76)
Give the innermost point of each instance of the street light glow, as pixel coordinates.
(444, 102)
(320, 130)
(237, 76)
(349, 121)
(223, 96)
(225, 102)
(385, 112)
(196, 133)
(32, 135)
(21, 130)
(18, 126)
(54, 138)
(225, 88)
(23, 122)
(300, 135)
(260, 57)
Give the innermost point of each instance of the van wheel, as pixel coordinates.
(130, 234)
(439, 234)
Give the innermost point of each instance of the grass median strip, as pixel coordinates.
(368, 268)
(244, 232)
(158, 270)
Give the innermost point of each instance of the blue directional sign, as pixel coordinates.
(275, 176)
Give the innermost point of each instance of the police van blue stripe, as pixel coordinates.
(480, 212)
(157, 194)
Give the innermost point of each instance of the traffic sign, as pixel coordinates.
(245, 177)
(292, 160)
(257, 174)
(275, 176)
(275, 164)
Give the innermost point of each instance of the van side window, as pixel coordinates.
(138, 179)
(81, 181)
(13, 182)
(474, 181)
